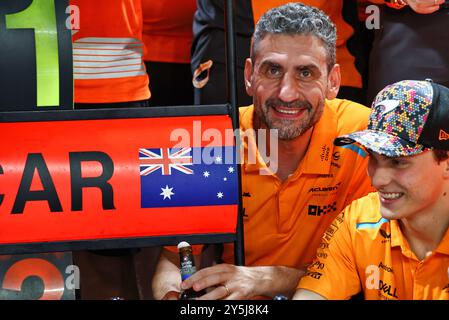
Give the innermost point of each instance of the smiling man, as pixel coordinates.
(393, 244)
(293, 79)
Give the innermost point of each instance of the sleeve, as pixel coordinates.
(333, 272)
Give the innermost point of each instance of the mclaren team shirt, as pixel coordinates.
(363, 251)
(284, 221)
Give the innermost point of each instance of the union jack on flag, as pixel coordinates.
(165, 159)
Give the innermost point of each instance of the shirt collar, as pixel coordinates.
(252, 162)
(443, 247)
(398, 239)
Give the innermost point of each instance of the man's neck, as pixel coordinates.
(424, 231)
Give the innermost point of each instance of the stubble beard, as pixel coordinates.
(289, 129)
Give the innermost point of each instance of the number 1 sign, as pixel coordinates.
(35, 56)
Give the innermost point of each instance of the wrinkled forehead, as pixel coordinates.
(294, 43)
(295, 47)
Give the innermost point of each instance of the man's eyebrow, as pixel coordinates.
(307, 66)
(269, 63)
(310, 66)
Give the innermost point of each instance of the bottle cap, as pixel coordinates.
(183, 244)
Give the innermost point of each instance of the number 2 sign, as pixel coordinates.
(36, 69)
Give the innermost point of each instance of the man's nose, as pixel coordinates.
(380, 176)
(289, 90)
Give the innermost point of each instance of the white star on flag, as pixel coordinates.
(220, 195)
(206, 174)
(166, 192)
(230, 169)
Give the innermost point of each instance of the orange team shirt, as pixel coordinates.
(167, 30)
(333, 8)
(283, 222)
(107, 52)
(363, 251)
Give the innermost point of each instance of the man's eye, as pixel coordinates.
(273, 71)
(305, 73)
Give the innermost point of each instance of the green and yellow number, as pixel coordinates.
(41, 17)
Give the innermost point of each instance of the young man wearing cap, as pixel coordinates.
(393, 244)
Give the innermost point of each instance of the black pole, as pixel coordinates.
(231, 77)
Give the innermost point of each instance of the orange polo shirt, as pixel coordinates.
(107, 52)
(167, 30)
(284, 221)
(363, 251)
(349, 75)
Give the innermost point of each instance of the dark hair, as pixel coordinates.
(298, 19)
(440, 155)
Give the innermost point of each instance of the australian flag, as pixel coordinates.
(184, 177)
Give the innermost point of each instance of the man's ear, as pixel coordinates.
(249, 76)
(333, 82)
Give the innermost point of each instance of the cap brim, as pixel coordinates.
(381, 142)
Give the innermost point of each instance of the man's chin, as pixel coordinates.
(388, 214)
(288, 136)
(285, 133)
(292, 133)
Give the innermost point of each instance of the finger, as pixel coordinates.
(425, 9)
(234, 296)
(212, 280)
(202, 274)
(429, 10)
(425, 6)
(196, 277)
(171, 295)
(218, 293)
(425, 3)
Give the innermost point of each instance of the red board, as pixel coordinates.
(120, 139)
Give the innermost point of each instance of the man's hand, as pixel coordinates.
(171, 295)
(240, 282)
(232, 282)
(425, 6)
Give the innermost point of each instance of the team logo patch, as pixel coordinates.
(443, 135)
